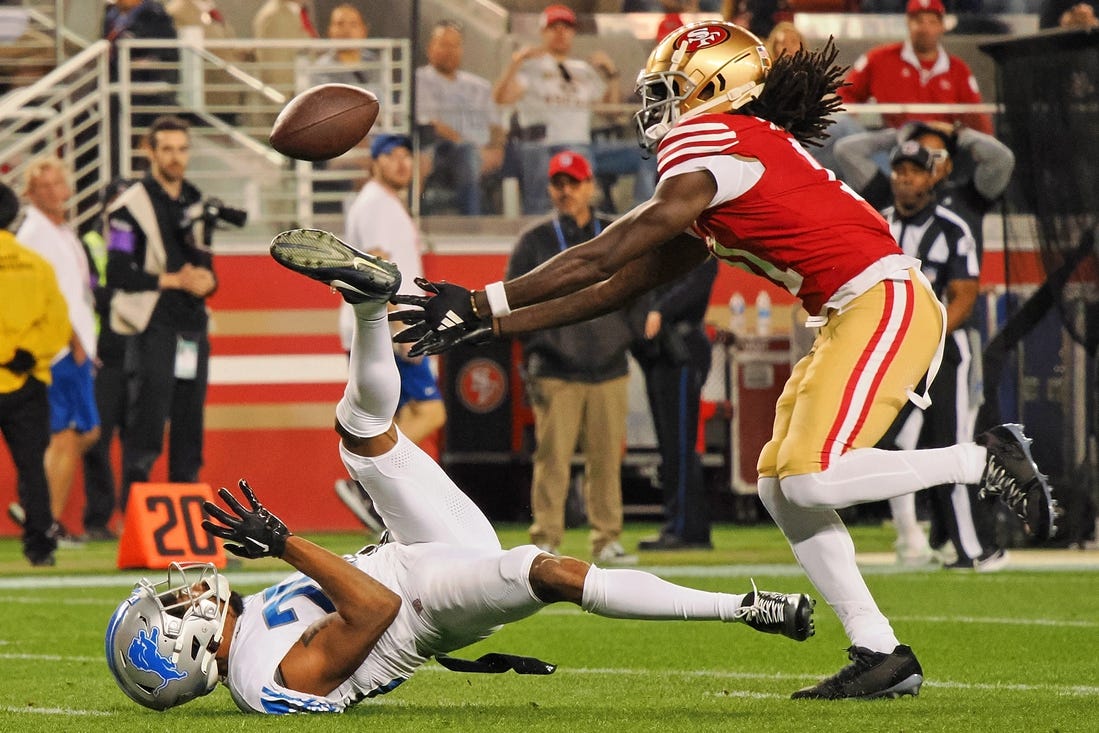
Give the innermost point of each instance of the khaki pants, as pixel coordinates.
(594, 415)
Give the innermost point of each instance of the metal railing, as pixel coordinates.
(63, 113)
(230, 95)
(233, 93)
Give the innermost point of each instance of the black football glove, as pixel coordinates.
(258, 532)
(449, 306)
(437, 342)
(22, 363)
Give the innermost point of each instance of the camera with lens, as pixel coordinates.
(215, 210)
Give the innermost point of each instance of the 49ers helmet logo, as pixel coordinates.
(704, 37)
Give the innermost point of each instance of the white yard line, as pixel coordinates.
(711, 674)
(67, 712)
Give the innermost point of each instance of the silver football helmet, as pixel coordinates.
(161, 641)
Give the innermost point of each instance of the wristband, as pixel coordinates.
(497, 299)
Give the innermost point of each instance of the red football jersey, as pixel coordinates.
(778, 213)
(892, 73)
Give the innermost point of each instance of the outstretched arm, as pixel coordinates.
(670, 260)
(335, 646)
(675, 205)
(644, 248)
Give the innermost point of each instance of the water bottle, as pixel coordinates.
(511, 199)
(763, 314)
(736, 313)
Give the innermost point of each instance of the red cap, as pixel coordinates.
(925, 6)
(670, 22)
(573, 165)
(557, 14)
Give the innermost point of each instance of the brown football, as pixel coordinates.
(324, 122)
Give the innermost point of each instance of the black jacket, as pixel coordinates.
(592, 351)
(176, 218)
(682, 306)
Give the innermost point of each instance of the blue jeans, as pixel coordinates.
(456, 168)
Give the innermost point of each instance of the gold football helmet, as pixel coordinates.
(710, 66)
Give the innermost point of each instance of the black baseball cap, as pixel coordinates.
(913, 152)
(915, 130)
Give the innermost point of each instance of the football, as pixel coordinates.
(324, 122)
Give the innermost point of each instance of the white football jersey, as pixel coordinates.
(451, 596)
(275, 618)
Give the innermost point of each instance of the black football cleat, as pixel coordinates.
(789, 614)
(321, 255)
(870, 675)
(1012, 475)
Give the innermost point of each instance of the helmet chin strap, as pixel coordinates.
(736, 98)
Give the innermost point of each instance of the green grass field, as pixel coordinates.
(1012, 651)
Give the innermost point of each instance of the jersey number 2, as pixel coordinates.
(275, 615)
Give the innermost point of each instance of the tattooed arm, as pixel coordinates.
(332, 649)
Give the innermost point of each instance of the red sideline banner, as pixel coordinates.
(164, 525)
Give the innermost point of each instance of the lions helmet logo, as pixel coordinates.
(704, 37)
(144, 656)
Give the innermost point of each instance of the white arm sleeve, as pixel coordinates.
(734, 176)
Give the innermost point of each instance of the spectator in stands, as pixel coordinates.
(553, 96)
(917, 70)
(1078, 16)
(674, 353)
(758, 16)
(34, 328)
(205, 15)
(378, 222)
(285, 21)
(972, 169)
(944, 244)
(784, 38)
(576, 378)
(356, 66)
(74, 418)
(143, 19)
(463, 119)
(672, 17)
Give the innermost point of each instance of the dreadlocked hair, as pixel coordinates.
(799, 93)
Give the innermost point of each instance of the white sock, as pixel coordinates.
(870, 474)
(620, 593)
(373, 385)
(824, 549)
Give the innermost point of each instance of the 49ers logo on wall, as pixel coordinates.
(703, 37)
(482, 385)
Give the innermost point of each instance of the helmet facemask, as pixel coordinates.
(661, 94)
(162, 640)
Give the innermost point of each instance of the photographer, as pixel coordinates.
(160, 267)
